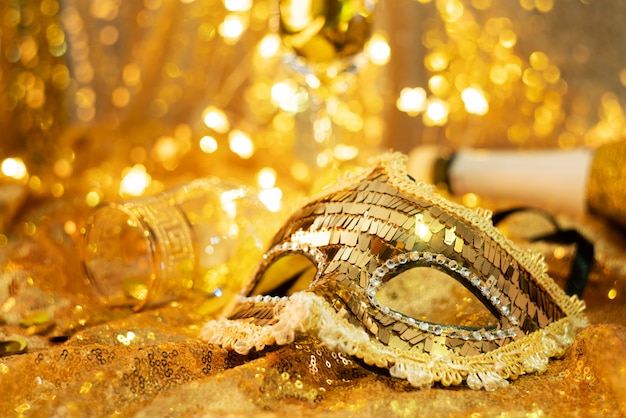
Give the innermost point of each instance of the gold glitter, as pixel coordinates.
(29, 228)
(22, 408)
(8, 304)
(85, 388)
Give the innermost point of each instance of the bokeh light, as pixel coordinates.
(135, 180)
(241, 144)
(15, 168)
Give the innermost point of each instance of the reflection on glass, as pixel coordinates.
(204, 236)
(326, 40)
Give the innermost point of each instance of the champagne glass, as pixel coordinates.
(324, 41)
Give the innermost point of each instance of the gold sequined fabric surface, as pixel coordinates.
(83, 359)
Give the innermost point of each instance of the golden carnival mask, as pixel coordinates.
(366, 232)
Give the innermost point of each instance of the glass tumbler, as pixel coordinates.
(203, 238)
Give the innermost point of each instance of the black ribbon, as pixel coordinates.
(583, 255)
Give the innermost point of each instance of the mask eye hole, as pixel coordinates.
(285, 275)
(428, 294)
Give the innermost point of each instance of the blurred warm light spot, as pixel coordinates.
(125, 339)
(439, 85)
(69, 227)
(544, 5)
(241, 144)
(84, 100)
(15, 168)
(498, 74)
(269, 45)
(300, 171)
(238, 5)
(322, 129)
(63, 168)
(378, 49)
(12, 17)
(351, 121)
(312, 81)
(552, 74)
(559, 252)
(266, 178)
(208, 144)
(271, 198)
(289, 96)
(228, 201)
(567, 140)
(543, 115)
(283, 122)
(172, 70)
(135, 181)
(109, 35)
(514, 71)
(281, 92)
(60, 76)
(436, 112)
(437, 61)
(412, 101)
(153, 4)
(347, 115)
(231, 28)
(475, 101)
(507, 38)
(120, 97)
(470, 200)
(451, 10)
(216, 119)
(57, 190)
(518, 133)
(344, 152)
(55, 35)
(612, 294)
(535, 80)
(35, 184)
(165, 148)
(131, 74)
(29, 48)
(84, 72)
(323, 159)
(29, 228)
(93, 198)
(539, 60)
(85, 97)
